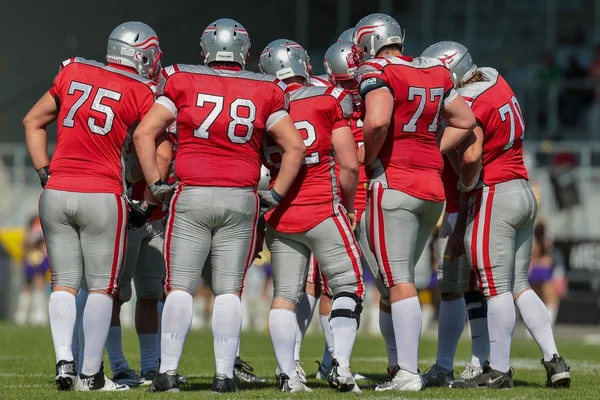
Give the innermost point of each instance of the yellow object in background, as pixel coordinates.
(425, 296)
(12, 240)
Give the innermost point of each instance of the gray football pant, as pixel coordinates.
(499, 234)
(399, 228)
(335, 248)
(453, 276)
(144, 263)
(210, 220)
(85, 234)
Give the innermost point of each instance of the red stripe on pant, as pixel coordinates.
(487, 264)
(475, 266)
(377, 224)
(168, 236)
(119, 247)
(249, 258)
(345, 229)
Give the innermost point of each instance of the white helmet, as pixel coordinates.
(346, 36)
(225, 40)
(456, 58)
(284, 59)
(341, 61)
(134, 44)
(376, 31)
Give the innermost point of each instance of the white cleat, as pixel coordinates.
(96, 383)
(292, 385)
(299, 370)
(402, 380)
(470, 372)
(342, 379)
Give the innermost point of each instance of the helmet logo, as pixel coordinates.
(365, 30)
(448, 60)
(241, 31)
(138, 56)
(152, 41)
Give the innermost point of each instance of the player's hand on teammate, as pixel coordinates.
(269, 199)
(44, 174)
(352, 219)
(163, 190)
(139, 212)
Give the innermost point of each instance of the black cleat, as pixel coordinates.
(490, 378)
(66, 374)
(165, 382)
(244, 372)
(224, 384)
(182, 379)
(558, 372)
(284, 383)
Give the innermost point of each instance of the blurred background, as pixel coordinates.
(548, 50)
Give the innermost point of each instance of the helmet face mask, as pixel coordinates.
(376, 31)
(135, 45)
(225, 40)
(456, 58)
(285, 59)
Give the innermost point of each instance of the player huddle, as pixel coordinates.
(153, 160)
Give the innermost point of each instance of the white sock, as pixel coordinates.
(63, 314)
(552, 313)
(281, 323)
(161, 307)
(177, 320)
(406, 315)
(536, 318)
(328, 350)
(386, 325)
(96, 323)
(304, 314)
(501, 325)
(451, 324)
(149, 352)
(226, 326)
(343, 330)
(480, 338)
(114, 348)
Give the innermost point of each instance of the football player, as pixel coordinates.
(404, 98)
(222, 114)
(341, 63)
(503, 203)
(311, 219)
(83, 208)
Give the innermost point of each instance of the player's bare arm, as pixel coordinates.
(461, 121)
(378, 116)
(345, 152)
(164, 158)
(470, 151)
(41, 115)
(155, 123)
(286, 135)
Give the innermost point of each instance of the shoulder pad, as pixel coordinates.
(76, 60)
(473, 90)
(320, 80)
(346, 102)
(427, 62)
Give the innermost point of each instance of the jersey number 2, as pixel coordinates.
(97, 105)
(510, 110)
(203, 131)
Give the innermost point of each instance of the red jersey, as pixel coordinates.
(451, 192)
(410, 160)
(99, 106)
(314, 195)
(499, 115)
(222, 115)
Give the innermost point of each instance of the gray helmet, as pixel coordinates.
(376, 31)
(346, 36)
(135, 44)
(456, 58)
(225, 40)
(341, 61)
(284, 59)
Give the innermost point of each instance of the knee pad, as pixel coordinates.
(346, 313)
(476, 305)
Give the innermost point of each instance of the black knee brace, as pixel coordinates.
(476, 297)
(348, 313)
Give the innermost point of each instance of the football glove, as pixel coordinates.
(139, 212)
(163, 190)
(269, 199)
(44, 174)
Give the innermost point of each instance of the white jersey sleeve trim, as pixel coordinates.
(168, 104)
(453, 94)
(275, 118)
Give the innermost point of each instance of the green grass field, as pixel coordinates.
(27, 367)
